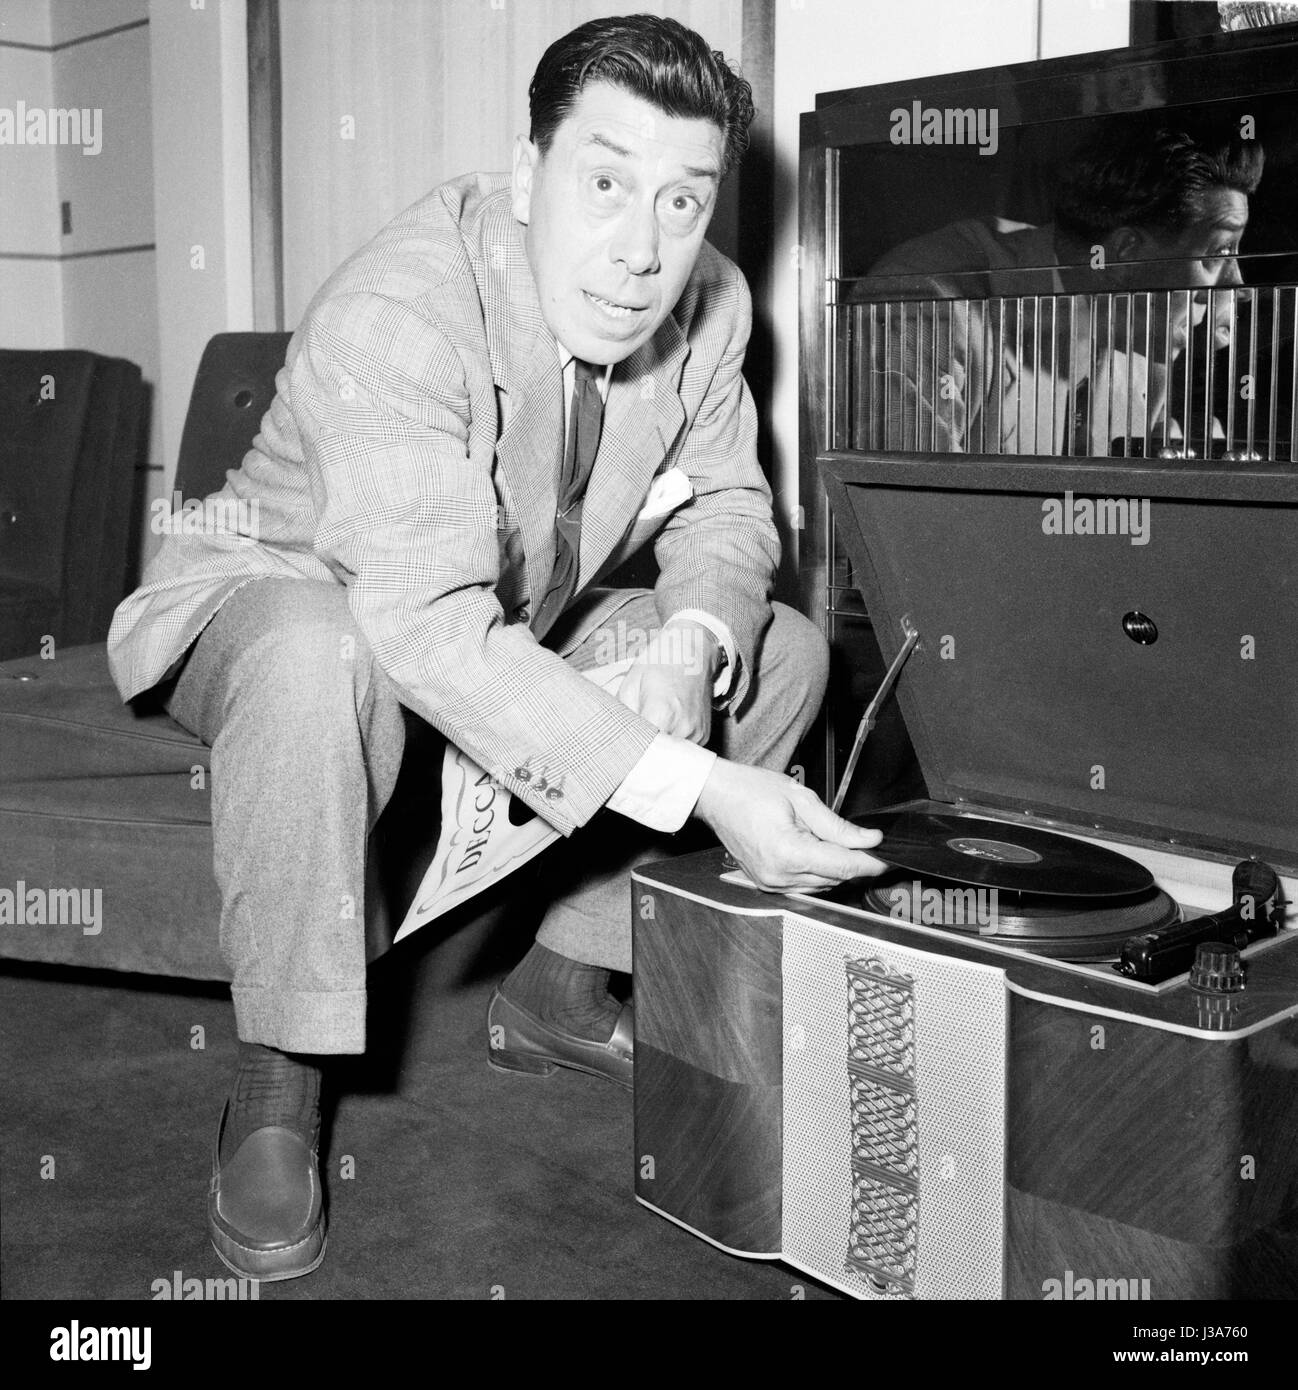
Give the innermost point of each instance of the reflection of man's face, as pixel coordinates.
(1200, 257)
(615, 213)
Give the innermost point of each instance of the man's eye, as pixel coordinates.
(683, 209)
(605, 185)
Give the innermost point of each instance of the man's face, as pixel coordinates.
(1200, 257)
(615, 213)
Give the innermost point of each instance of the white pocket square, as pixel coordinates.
(666, 493)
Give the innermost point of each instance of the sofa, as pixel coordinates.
(115, 801)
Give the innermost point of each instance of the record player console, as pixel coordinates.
(1013, 1067)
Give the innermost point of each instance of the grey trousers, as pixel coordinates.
(307, 734)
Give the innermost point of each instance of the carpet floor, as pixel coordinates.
(445, 1179)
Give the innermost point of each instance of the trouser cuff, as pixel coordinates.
(294, 1021)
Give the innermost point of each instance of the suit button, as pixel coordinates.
(554, 794)
(523, 774)
(522, 612)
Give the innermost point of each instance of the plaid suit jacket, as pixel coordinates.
(411, 455)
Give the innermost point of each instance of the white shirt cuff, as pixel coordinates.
(721, 631)
(662, 789)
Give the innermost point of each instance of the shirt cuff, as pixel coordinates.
(721, 631)
(661, 790)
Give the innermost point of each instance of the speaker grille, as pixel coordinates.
(881, 1242)
(883, 1127)
(881, 1018)
(885, 1158)
(894, 1116)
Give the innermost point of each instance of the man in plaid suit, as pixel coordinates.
(519, 382)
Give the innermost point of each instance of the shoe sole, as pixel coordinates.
(506, 1059)
(525, 1064)
(272, 1276)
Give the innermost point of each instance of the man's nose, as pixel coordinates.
(635, 244)
(1228, 275)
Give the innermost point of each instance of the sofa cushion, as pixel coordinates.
(69, 746)
(97, 798)
(44, 400)
(95, 794)
(69, 451)
(233, 389)
(103, 528)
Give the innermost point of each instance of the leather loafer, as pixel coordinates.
(519, 1041)
(265, 1209)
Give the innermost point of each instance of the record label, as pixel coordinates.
(996, 850)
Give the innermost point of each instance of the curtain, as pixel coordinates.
(384, 99)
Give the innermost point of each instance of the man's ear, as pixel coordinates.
(1127, 244)
(526, 158)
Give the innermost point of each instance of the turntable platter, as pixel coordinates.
(1065, 929)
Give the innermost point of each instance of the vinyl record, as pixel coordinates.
(993, 854)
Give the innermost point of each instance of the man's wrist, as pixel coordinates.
(725, 675)
(694, 646)
(705, 804)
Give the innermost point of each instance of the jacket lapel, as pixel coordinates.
(525, 366)
(642, 417)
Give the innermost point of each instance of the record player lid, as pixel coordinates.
(1111, 646)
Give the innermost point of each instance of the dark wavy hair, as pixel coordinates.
(657, 59)
(1151, 175)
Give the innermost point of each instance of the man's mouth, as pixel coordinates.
(612, 308)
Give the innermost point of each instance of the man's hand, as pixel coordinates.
(670, 684)
(782, 834)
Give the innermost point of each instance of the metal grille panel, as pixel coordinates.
(1090, 375)
(894, 1116)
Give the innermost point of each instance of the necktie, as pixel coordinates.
(585, 420)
